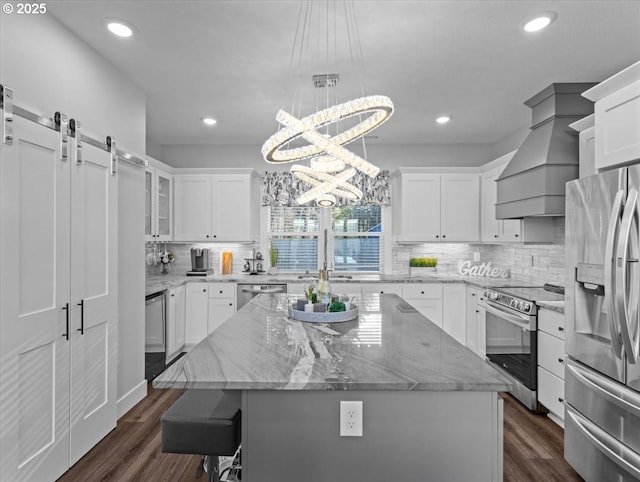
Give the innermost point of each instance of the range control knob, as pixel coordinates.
(527, 307)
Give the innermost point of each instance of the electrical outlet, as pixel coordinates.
(350, 418)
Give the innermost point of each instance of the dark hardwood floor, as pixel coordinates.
(532, 448)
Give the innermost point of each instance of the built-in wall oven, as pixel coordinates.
(512, 337)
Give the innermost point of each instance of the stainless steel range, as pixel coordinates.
(511, 337)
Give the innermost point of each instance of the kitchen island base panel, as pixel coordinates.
(407, 435)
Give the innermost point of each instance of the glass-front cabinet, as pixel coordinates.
(158, 205)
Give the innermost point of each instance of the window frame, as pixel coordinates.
(325, 221)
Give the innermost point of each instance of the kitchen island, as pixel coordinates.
(430, 406)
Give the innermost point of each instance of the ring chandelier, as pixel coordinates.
(327, 174)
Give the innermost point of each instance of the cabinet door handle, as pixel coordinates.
(560, 360)
(517, 235)
(477, 311)
(230, 304)
(173, 294)
(204, 290)
(422, 292)
(560, 328)
(444, 236)
(66, 308)
(207, 235)
(214, 235)
(81, 305)
(495, 235)
(437, 236)
(473, 294)
(220, 291)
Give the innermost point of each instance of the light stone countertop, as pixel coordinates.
(160, 282)
(390, 346)
(552, 305)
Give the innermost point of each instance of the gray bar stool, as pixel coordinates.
(204, 422)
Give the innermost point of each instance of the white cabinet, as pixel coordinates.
(58, 306)
(459, 215)
(196, 312)
(158, 205)
(526, 230)
(551, 362)
(436, 207)
(221, 305)
(216, 207)
(453, 311)
(426, 298)
(617, 118)
(208, 306)
(175, 321)
(475, 336)
(586, 144)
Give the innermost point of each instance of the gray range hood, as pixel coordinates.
(533, 183)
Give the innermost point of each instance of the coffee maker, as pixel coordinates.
(199, 262)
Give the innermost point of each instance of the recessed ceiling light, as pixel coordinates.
(120, 29)
(541, 21)
(209, 121)
(443, 119)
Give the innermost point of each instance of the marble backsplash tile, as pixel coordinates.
(547, 266)
(182, 253)
(533, 263)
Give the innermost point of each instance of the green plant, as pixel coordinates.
(423, 262)
(273, 256)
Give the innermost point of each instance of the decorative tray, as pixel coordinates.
(324, 317)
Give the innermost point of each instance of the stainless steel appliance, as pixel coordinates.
(199, 262)
(602, 371)
(511, 336)
(245, 292)
(154, 335)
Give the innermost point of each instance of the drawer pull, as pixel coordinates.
(561, 400)
(560, 360)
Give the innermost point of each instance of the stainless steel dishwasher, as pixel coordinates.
(154, 335)
(246, 291)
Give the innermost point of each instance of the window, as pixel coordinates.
(354, 237)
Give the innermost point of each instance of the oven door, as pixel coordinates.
(512, 343)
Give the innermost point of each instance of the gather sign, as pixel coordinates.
(470, 268)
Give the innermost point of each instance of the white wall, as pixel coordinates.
(49, 70)
(385, 156)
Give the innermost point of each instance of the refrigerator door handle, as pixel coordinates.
(630, 340)
(609, 274)
(608, 389)
(606, 444)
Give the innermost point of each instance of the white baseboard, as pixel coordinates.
(130, 399)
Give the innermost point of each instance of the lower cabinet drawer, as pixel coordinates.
(551, 353)
(422, 291)
(551, 392)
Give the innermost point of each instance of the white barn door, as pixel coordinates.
(34, 287)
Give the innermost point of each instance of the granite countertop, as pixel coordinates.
(161, 282)
(390, 346)
(552, 305)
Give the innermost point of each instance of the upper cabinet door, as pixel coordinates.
(491, 227)
(235, 206)
(163, 205)
(417, 208)
(192, 208)
(148, 205)
(460, 207)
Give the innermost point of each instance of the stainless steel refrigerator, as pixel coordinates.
(602, 368)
